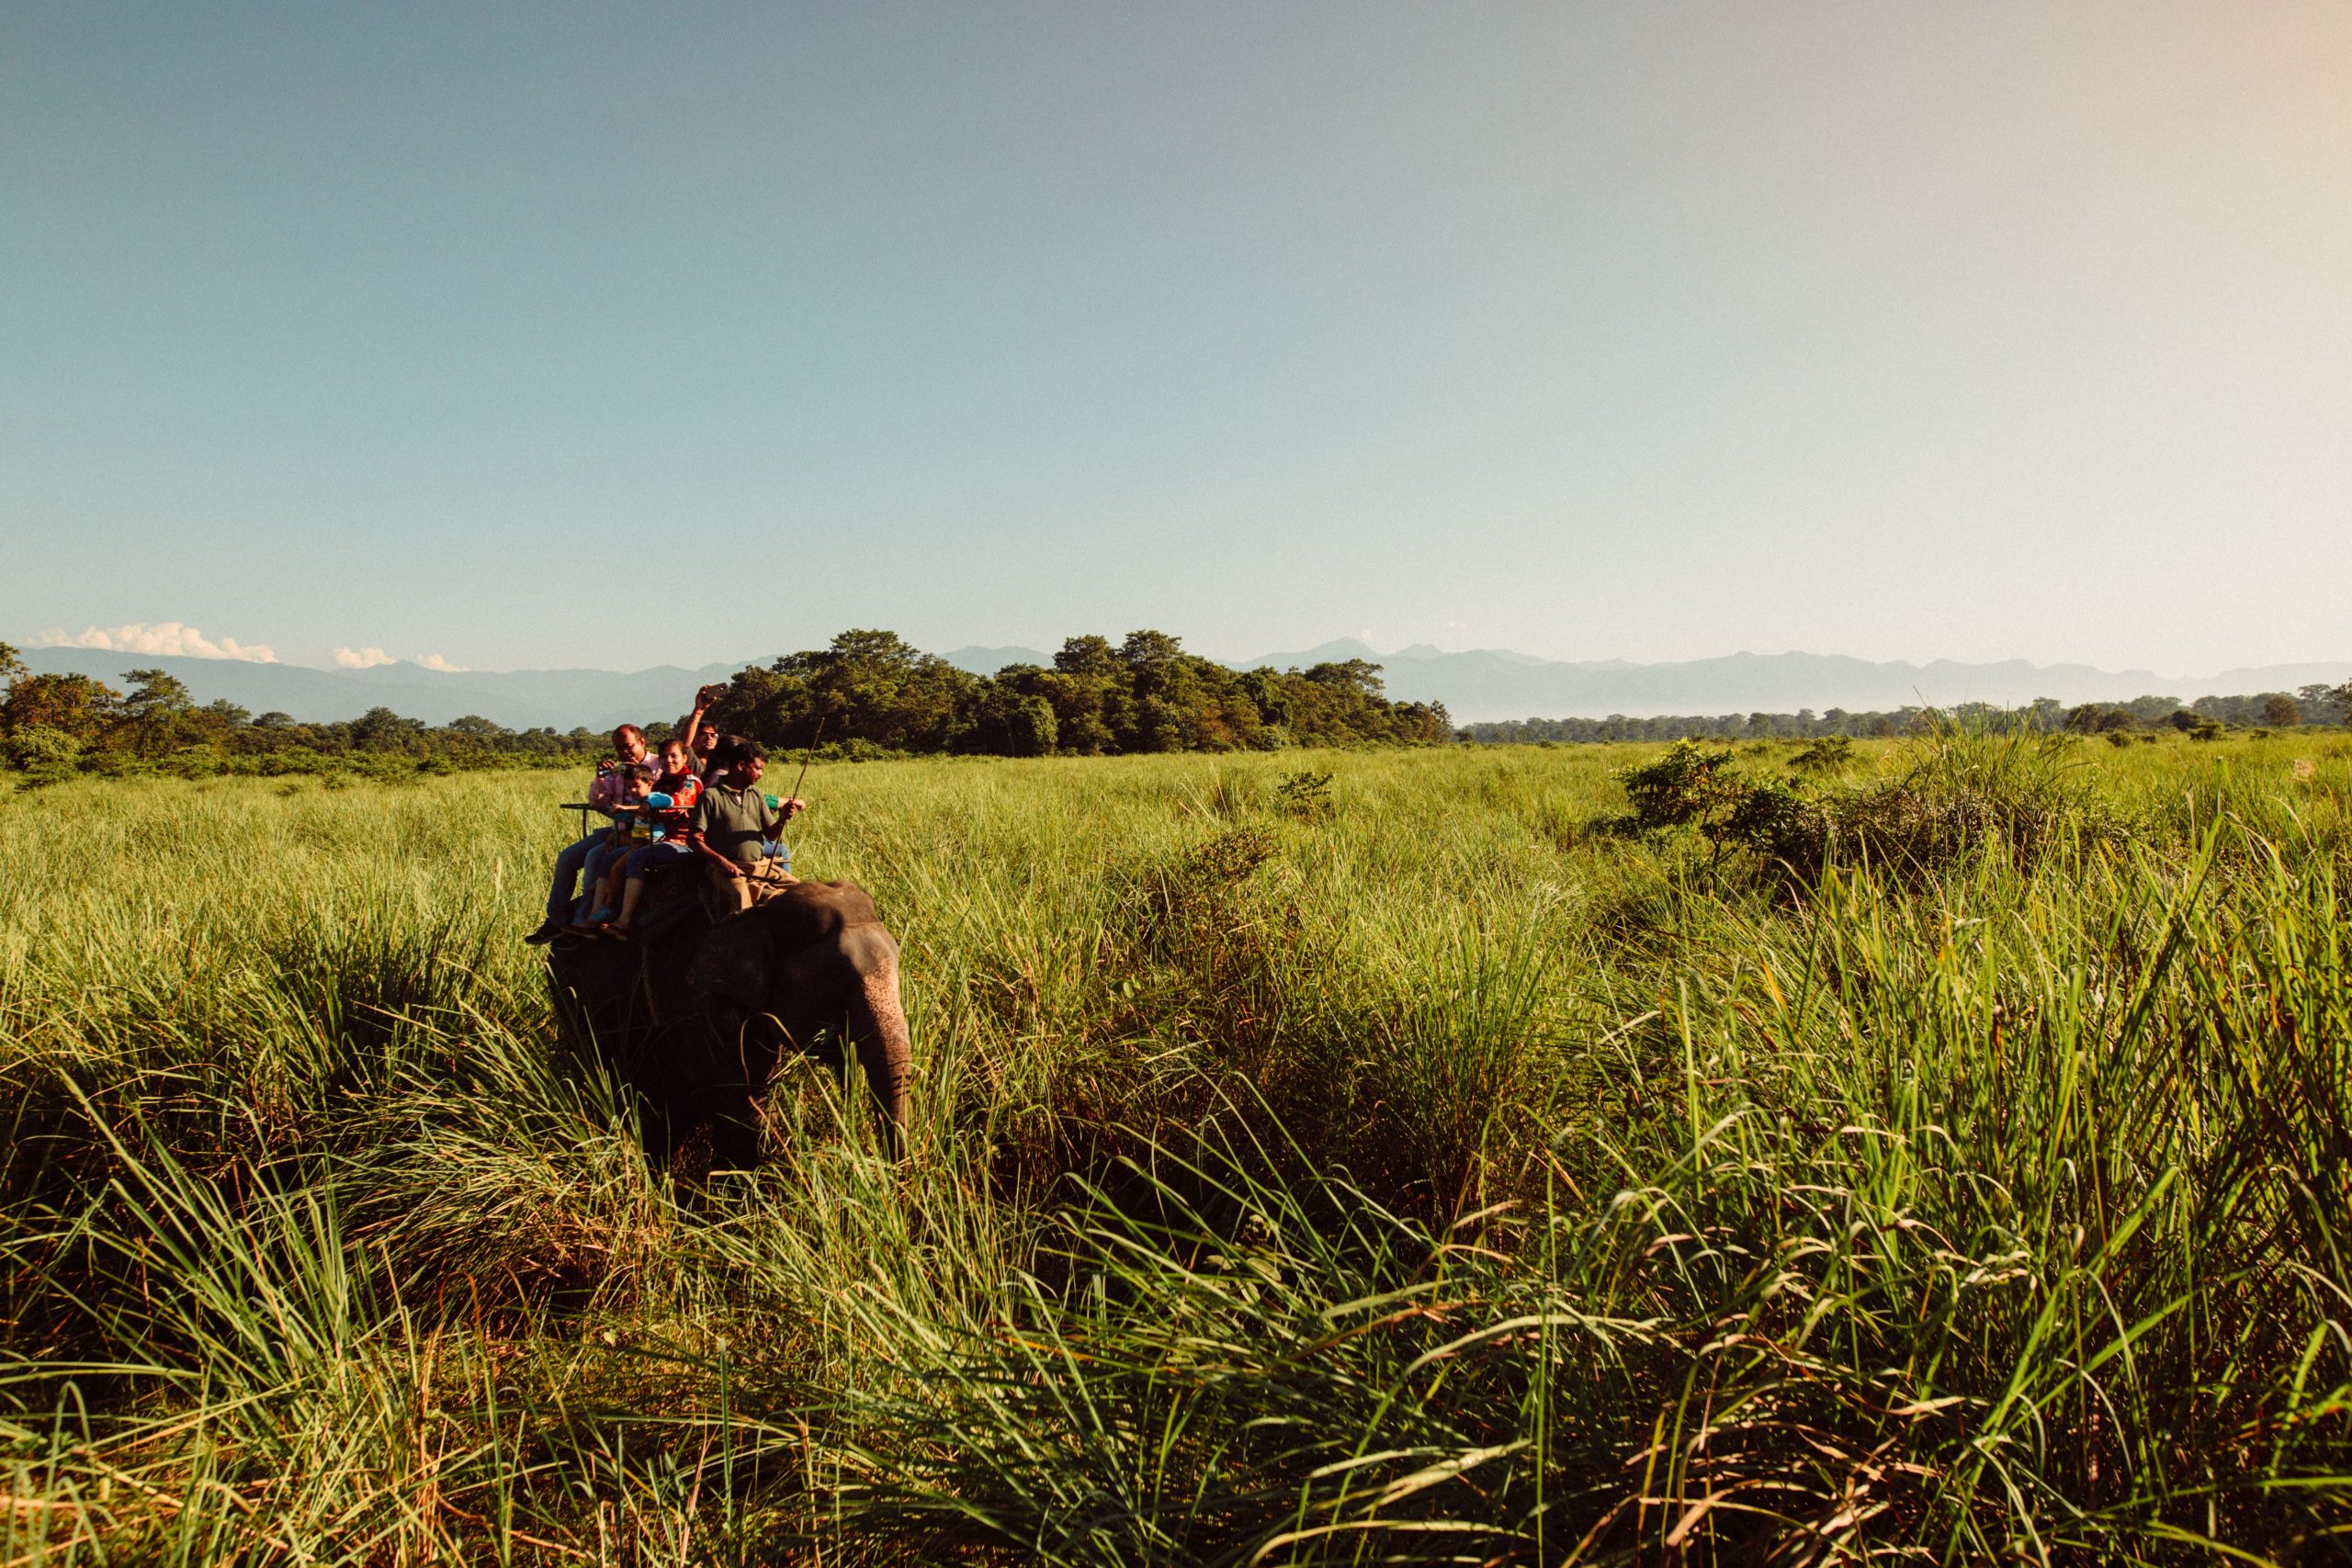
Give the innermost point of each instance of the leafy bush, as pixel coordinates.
(1691, 786)
(1305, 796)
(43, 750)
(2195, 726)
(1825, 755)
(1970, 787)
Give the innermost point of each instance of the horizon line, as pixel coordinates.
(441, 669)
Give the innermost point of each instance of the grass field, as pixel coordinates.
(1412, 1170)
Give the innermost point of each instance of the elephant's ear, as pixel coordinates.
(733, 965)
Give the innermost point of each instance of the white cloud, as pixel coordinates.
(167, 638)
(368, 657)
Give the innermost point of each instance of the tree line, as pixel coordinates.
(868, 694)
(871, 693)
(53, 727)
(2317, 703)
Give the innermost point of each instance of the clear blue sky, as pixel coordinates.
(596, 335)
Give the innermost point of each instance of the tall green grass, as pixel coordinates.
(1425, 1178)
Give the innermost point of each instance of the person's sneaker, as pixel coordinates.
(549, 931)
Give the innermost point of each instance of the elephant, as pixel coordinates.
(693, 1014)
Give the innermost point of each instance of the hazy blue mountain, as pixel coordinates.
(2275, 678)
(1496, 683)
(988, 660)
(1482, 684)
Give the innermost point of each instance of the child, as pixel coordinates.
(632, 826)
(614, 777)
(669, 807)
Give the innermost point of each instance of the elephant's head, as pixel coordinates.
(812, 959)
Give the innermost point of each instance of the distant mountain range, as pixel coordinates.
(1495, 684)
(1484, 684)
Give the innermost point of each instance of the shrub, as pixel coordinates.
(40, 747)
(1305, 796)
(1971, 786)
(45, 753)
(1691, 786)
(1825, 755)
(2195, 726)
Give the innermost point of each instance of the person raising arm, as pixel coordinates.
(702, 739)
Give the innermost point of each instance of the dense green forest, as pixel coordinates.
(870, 694)
(2205, 717)
(871, 691)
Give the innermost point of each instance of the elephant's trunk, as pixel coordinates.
(878, 1030)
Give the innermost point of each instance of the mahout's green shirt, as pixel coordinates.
(736, 822)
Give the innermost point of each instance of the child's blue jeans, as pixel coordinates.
(641, 858)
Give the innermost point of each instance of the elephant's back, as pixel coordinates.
(854, 904)
(809, 912)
